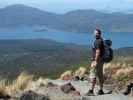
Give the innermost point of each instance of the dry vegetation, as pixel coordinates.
(11, 87)
(118, 71)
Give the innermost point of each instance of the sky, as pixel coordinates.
(62, 6)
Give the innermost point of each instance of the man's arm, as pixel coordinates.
(97, 56)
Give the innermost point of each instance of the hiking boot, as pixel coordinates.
(100, 92)
(90, 93)
(127, 92)
(128, 89)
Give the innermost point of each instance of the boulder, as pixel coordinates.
(67, 88)
(30, 95)
(4, 96)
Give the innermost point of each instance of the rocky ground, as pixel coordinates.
(67, 87)
(51, 90)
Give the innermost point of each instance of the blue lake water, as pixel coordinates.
(119, 39)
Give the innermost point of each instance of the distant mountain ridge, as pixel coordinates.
(73, 21)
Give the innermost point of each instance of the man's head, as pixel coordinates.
(97, 33)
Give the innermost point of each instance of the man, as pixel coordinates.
(97, 64)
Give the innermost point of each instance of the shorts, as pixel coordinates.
(96, 71)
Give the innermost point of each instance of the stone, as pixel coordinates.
(30, 95)
(67, 88)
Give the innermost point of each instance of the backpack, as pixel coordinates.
(108, 51)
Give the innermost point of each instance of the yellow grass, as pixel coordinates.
(3, 85)
(80, 72)
(119, 69)
(67, 73)
(10, 87)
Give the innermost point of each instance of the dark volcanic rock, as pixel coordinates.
(30, 95)
(4, 96)
(67, 88)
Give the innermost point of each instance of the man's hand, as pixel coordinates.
(94, 64)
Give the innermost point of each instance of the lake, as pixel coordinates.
(123, 39)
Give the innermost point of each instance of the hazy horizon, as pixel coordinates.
(63, 6)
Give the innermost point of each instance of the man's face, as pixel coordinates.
(97, 35)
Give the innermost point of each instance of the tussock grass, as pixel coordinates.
(80, 72)
(67, 73)
(21, 82)
(121, 69)
(3, 86)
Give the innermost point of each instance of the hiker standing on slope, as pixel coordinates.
(97, 64)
